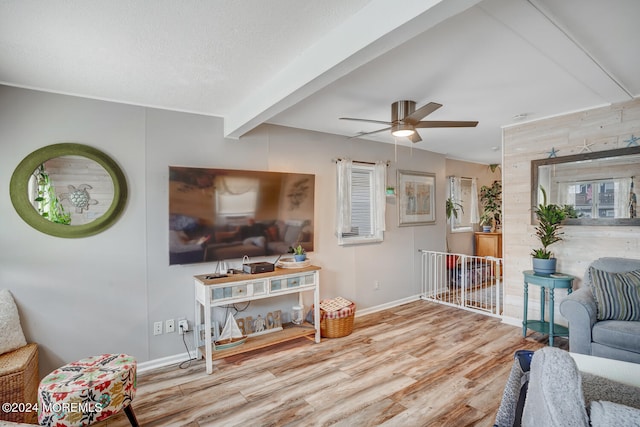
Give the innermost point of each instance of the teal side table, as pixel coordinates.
(550, 282)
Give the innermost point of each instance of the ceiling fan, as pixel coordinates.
(405, 119)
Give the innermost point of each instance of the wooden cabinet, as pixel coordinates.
(489, 244)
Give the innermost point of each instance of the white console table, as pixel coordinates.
(237, 288)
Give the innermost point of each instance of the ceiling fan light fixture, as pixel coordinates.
(405, 119)
(401, 130)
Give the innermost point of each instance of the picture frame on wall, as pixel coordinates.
(416, 198)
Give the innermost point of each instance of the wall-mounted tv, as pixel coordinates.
(225, 214)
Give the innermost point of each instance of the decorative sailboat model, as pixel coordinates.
(231, 335)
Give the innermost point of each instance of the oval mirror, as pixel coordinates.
(68, 190)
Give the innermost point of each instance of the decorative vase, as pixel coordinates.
(300, 258)
(544, 266)
(486, 228)
(297, 313)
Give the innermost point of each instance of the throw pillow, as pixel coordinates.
(617, 295)
(272, 232)
(606, 414)
(11, 336)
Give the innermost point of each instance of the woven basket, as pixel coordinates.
(336, 328)
(19, 382)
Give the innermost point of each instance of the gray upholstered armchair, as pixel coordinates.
(611, 338)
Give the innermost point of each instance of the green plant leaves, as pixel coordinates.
(550, 217)
(491, 199)
(452, 208)
(49, 205)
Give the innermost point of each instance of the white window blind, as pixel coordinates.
(361, 203)
(360, 206)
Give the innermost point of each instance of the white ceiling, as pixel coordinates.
(304, 63)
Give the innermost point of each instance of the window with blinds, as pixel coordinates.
(363, 207)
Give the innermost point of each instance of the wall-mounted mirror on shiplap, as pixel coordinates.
(598, 188)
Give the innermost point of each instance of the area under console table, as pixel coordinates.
(237, 288)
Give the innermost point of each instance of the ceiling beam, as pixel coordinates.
(377, 28)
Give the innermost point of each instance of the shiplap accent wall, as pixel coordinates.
(599, 129)
(75, 171)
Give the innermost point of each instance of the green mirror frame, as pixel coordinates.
(19, 190)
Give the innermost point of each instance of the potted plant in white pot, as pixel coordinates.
(486, 221)
(549, 217)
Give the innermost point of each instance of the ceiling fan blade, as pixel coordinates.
(365, 120)
(444, 124)
(369, 133)
(415, 137)
(421, 112)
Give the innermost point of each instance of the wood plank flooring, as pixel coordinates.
(419, 364)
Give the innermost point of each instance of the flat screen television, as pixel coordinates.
(225, 214)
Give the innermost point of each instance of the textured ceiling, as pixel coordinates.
(305, 63)
(200, 56)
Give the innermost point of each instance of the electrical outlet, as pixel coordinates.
(157, 328)
(183, 326)
(170, 326)
(376, 285)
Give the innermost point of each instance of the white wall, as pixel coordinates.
(76, 297)
(79, 297)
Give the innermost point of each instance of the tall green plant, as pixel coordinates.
(548, 231)
(491, 199)
(49, 205)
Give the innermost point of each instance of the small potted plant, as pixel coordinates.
(486, 221)
(549, 217)
(298, 253)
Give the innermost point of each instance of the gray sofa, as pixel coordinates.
(613, 339)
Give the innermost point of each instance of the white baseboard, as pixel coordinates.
(163, 361)
(514, 321)
(182, 357)
(387, 305)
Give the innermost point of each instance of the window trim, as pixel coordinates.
(377, 234)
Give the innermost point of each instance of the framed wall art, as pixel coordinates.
(416, 193)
